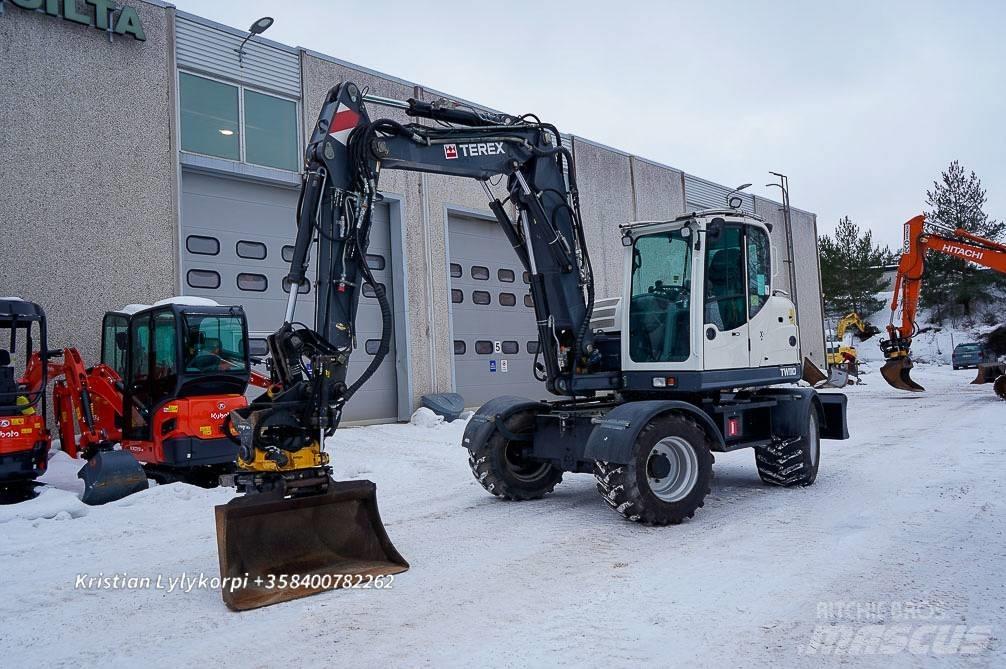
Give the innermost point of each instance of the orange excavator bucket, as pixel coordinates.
(812, 374)
(897, 373)
(987, 373)
(274, 548)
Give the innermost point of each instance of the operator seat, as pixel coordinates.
(8, 385)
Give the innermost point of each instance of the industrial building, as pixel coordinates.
(148, 153)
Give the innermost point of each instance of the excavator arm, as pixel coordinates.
(918, 241)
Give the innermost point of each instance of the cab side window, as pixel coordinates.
(759, 269)
(725, 289)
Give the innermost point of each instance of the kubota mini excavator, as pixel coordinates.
(919, 239)
(169, 375)
(681, 365)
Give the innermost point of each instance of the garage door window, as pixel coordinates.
(510, 347)
(480, 273)
(204, 246)
(457, 296)
(368, 289)
(508, 299)
(532, 347)
(459, 347)
(375, 261)
(258, 347)
(305, 287)
(209, 111)
(455, 270)
(251, 250)
(372, 346)
(505, 275)
(481, 297)
(287, 253)
(270, 131)
(202, 278)
(527, 278)
(483, 347)
(256, 283)
(528, 302)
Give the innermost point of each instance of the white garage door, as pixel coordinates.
(237, 241)
(491, 315)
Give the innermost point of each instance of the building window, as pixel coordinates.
(204, 246)
(287, 253)
(368, 289)
(510, 347)
(528, 302)
(483, 347)
(457, 296)
(236, 123)
(251, 250)
(459, 347)
(270, 131)
(481, 297)
(455, 270)
(508, 299)
(209, 111)
(372, 345)
(202, 278)
(375, 261)
(505, 275)
(256, 283)
(480, 273)
(305, 287)
(532, 346)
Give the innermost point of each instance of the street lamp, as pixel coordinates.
(257, 28)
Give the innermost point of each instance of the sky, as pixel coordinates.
(862, 104)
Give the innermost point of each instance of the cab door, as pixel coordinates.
(152, 370)
(725, 331)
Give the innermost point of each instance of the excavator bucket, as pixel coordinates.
(987, 373)
(870, 331)
(897, 373)
(811, 373)
(837, 378)
(273, 549)
(111, 475)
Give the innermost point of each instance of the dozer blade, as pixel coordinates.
(897, 373)
(111, 475)
(987, 373)
(334, 539)
(811, 373)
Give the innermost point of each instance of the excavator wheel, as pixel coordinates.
(897, 373)
(1000, 387)
(499, 465)
(792, 462)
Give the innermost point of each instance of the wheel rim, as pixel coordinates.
(813, 440)
(521, 468)
(672, 468)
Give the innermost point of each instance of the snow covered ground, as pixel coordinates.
(903, 530)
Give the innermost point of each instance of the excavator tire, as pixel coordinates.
(1000, 387)
(499, 466)
(670, 474)
(792, 462)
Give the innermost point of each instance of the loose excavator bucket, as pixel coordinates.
(835, 378)
(897, 373)
(111, 475)
(811, 373)
(273, 549)
(987, 373)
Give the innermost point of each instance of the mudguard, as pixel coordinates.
(491, 414)
(789, 418)
(615, 434)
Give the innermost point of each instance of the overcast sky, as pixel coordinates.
(862, 104)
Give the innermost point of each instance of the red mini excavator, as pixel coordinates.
(169, 376)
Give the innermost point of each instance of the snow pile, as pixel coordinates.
(51, 503)
(424, 417)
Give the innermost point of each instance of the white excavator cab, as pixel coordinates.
(699, 298)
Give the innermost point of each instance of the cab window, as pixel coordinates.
(214, 344)
(661, 296)
(759, 269)
(725, 290)
(114, 343)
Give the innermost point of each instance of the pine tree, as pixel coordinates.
(952, 286)
(852, 270)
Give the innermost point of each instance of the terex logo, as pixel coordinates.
(473, 150)
(962, 251)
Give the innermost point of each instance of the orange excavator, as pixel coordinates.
(169, 377)
(920, 238)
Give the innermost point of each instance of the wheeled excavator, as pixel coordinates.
(920, 238)
(698, 355)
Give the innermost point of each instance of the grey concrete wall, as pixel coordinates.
(88, 193)
(658, 191)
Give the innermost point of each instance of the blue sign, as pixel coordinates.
(492, 366)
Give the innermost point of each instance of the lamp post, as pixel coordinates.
(257, 28)
(734, 199)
